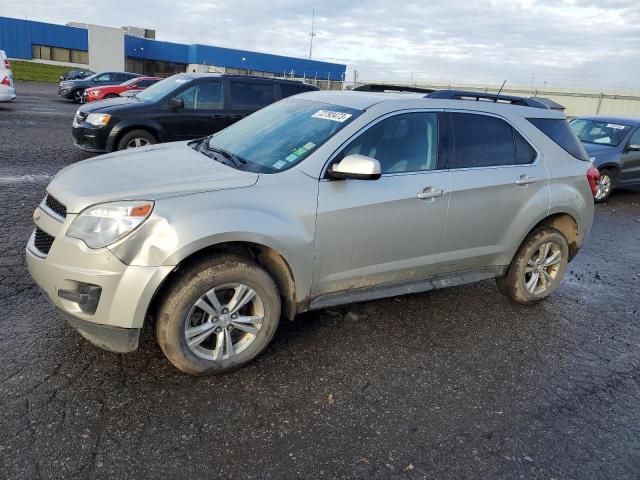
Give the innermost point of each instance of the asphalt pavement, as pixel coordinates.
(451, 384)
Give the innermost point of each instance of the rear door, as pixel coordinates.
(496, 176)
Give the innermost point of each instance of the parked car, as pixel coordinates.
(136, 84)
(76, 74)
(74, 89)
(180, 107)
(7, 89)
(320, 199)
(614, 146)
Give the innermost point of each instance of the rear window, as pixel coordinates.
(559, 131)
(251, 96)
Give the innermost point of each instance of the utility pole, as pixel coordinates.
(313, 33)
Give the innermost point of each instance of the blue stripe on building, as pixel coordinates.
(17, 36)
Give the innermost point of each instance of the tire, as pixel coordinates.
(525, 282)
(604, 185)
(78, 95)
(136, 138)
(181, 312)
(111, 95)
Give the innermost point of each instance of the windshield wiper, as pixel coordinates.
(235, 159)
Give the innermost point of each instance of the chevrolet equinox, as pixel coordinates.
(321, 199)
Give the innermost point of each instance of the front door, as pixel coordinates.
(201, 114)
(630, 162)
(388, 231)
(498, 184)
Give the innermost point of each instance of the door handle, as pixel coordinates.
(524, 179)
(429, 193)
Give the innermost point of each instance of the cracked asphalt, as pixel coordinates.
(456, 383)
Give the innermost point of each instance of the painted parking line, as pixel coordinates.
(40, 178)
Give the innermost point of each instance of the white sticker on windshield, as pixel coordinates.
(279, 164)
(330, 115)
(616, 126)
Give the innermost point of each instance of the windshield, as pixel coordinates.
(283, 134)
(599, 131)
(161, 89)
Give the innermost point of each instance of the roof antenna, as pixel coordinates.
(501, 87)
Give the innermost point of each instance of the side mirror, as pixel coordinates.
(358, 167)
(176, 103)
(634, 147)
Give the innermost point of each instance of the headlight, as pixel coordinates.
(103, 224)
(98, 119)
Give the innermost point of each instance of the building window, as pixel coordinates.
(155, 68)
(57, 54)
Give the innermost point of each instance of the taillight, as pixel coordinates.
(5, 81)
(593, 175)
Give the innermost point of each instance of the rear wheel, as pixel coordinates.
(218, 315)
(78, 95)
(538, 268)
(604, 185)
(136, 138)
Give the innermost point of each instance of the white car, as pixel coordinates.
(7, 90)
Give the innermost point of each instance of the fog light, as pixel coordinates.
(86, 296)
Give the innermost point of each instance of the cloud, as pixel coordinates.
(592, 44)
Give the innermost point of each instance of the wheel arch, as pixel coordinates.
(265, 256)
(122, 129)
(566, 224)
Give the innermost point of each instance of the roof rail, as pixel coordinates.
(486, 97)
(377, 87)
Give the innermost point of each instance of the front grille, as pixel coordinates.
(54, 205)
(42, 241)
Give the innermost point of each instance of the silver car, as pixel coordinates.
(321, 199)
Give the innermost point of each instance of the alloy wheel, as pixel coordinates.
(603, 186)
(137, 142)
(224, 321)
(542, 268)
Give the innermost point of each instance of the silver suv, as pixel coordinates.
(321, 199)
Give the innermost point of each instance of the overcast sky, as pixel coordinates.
(584, 43)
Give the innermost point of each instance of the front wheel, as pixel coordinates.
(135, 139)
(78, 95)
(218, 315)
(537, 269)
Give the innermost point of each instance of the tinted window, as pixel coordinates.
(485, 141)
(203, 96)
(145, 83)
(251, 96)
(635, 138)
(558, 130)
(402, 143)
(288, 90)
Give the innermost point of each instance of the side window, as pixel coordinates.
(289, 90)
(251, 96)
(485, 141)
(105, 77)
(635, 138)
(402, 143)
(145, 83)
(203, 96)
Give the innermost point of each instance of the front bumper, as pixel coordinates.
(90, 139)
(126, 291)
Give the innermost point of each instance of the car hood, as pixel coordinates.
(147, 173)
(595, 150)
(111, 104)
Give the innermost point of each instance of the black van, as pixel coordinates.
(181, 107)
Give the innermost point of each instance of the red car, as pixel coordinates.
(111, 91)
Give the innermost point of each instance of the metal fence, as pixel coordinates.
(577, 102)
